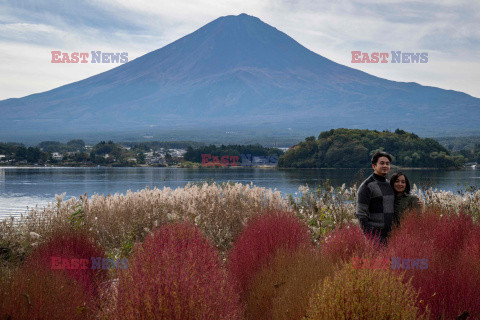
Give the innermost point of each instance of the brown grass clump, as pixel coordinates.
(282, 289)
(365, 293)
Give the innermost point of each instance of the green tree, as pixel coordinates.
(75, 145)
(354, 148)
(140, 158)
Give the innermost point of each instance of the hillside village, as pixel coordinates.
(103, 153)
(77, 153)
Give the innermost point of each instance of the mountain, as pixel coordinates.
(236, 73)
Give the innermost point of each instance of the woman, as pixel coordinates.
(403, 200)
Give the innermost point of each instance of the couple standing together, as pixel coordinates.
(381, 203)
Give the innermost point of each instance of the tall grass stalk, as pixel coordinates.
(118, 221)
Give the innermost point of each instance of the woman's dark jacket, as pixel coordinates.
(402, 204)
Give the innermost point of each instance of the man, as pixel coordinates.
(376, 199)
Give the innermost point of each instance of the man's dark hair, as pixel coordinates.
(380, 154)
(395, 178)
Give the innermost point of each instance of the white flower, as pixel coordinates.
(171, 216)
(59, 197)
(34, 235)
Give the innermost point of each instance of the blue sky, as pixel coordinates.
(448, 30)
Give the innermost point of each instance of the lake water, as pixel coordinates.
(26, 187)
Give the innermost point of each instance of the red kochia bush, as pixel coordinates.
(344, 243)
(38, 293)
(257, 245)
(71, 245)
(451, 283)
(175, 274)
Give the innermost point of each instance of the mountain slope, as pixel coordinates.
(237, 71)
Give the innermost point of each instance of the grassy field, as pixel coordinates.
(234, 251)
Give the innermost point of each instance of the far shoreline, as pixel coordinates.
(226, 167)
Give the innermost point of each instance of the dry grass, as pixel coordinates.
(118, 221)
(365, 294)
(325, 207)
(282, 289)
(467, 201)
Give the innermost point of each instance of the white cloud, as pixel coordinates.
(448, 29)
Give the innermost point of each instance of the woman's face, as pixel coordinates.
(400, 184)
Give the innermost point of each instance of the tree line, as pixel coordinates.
(353, 148)
(73, 152)
(345, 148)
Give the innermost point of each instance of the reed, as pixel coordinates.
(117, 221)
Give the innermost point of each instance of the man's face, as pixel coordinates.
(382, 167)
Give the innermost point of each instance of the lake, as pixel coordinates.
(26, 187)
